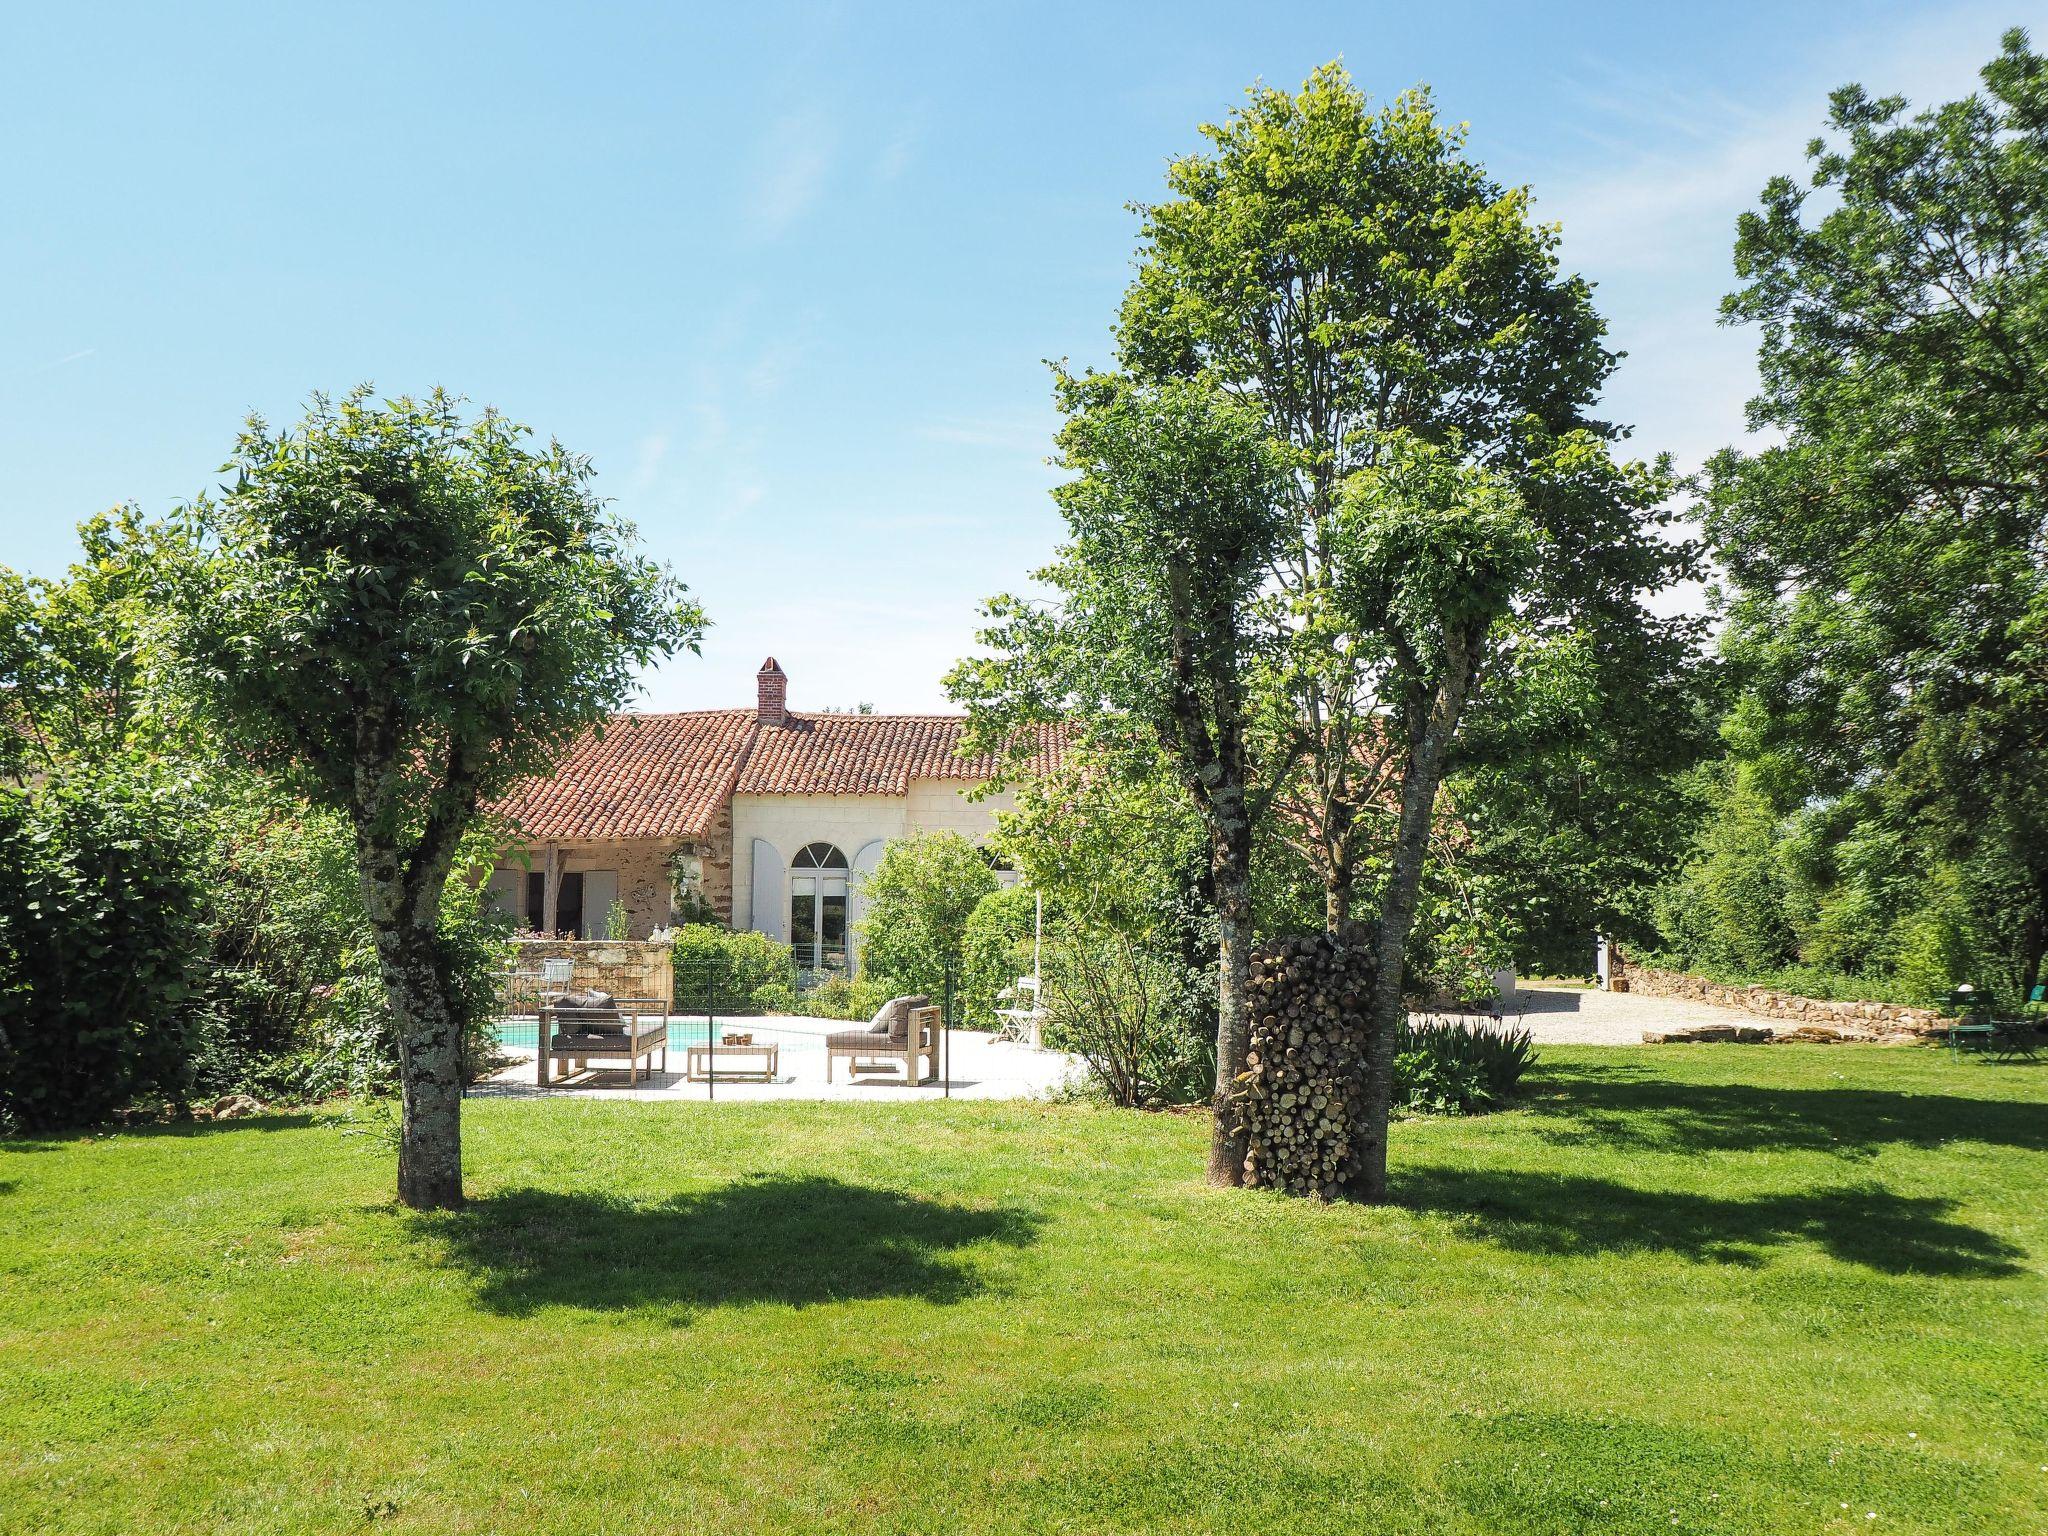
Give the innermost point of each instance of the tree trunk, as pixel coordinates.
(404, 917)
(1419, 781)
(1231, 861)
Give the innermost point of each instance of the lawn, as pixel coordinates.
(1710, 1289)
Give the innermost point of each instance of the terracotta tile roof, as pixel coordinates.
(671, 775)
(645, 776)
(871, 754)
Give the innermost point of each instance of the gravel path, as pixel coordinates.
(1579, 1016)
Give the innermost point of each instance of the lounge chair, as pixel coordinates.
(579, 1026)
(904, 1029)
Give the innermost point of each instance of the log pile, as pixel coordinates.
(1304, 1087)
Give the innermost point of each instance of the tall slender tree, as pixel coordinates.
(404, 613)
(1173, 522)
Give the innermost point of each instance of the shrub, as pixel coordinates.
(101, 944)
(920, 898)
(994, 952)
(775, 997)
(1446, 1067)
(737, 965)
(1114, 1002)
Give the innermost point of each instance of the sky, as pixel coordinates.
(790, 274)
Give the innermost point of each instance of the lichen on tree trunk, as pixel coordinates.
(404, 911)
(1437, 724)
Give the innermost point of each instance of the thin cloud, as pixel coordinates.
(64, 361)
(1034, 436)
(794, 159)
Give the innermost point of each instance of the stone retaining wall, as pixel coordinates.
(622, 967)
(1767, 1002)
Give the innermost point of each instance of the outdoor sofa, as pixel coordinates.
(904, 1029)
(578, 1027)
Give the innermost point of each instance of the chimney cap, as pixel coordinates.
(769, 666)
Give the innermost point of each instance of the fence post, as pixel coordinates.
(946, 1031)
(711, 1029)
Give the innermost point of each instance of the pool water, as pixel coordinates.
(524, 1033)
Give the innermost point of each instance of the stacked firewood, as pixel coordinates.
(1304, 1087)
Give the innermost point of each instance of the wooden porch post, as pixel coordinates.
(551, 889)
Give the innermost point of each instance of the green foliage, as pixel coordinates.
(995, 950)
(616, 923)
(1728, 907)
(1888, 606)
(716, 966)
(102, 940)
(840, 997)
(396, 565)
(1117, 1004)
(774, 997)
(1447, 1067)
(919, 900)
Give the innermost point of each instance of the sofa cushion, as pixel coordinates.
(893, 1017)
(587, 997)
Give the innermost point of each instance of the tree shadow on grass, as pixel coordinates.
(799, 1241)
(1629, 1108)
(1536, 1213)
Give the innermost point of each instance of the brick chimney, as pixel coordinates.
(771, 694)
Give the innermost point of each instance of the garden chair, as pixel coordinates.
(904, 1029)
(1023, 1022)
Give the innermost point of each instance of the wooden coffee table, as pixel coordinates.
(748, 1063)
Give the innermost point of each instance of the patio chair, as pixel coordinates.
(578, 1027)
(1023, 1022)
(904, 1029)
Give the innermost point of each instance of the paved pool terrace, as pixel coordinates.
(980, 1067)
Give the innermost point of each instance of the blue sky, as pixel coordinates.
(789, 273)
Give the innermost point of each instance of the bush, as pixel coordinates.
(101, 946)
(739, 965)
(920, 898)
(1445, 1067)
(841, 998)
(1115, 1003)
(776, 997)
(995, 951)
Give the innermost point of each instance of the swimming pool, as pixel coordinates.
(518, 1033)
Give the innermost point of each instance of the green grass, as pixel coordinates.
(1717, 1289)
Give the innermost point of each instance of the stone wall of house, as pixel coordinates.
(716, 852)
(624, 968)
(1787, 1007)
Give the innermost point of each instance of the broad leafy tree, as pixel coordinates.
(1419, 361)
(405, 611)
(1889, 557)
(1354, 276)
(1173, 521)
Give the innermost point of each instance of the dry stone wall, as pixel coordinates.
(622, 967)
(1824, 1018)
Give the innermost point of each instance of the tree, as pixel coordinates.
(404, 613)
(1172, 525)
(1403, 329)
(1889, 558)
(919, 900)
(81, 669)
(1357, 279)
(1432, 552)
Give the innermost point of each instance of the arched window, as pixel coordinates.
(817, 907)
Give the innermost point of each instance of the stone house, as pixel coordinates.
(770, 816)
